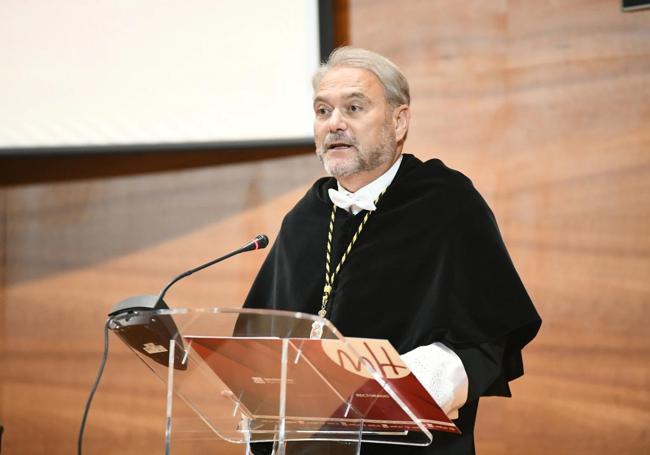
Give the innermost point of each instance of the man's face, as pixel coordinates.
(353, 126)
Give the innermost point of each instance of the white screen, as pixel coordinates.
(114, 72)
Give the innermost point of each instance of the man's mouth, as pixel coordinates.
(339, 146)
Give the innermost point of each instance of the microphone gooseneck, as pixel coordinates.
(259, 242)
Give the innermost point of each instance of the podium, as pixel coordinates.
(256, 378)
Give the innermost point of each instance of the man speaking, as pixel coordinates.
(393, 247)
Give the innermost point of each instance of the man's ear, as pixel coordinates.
(402, 118)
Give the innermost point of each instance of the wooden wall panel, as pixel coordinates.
(73, 250)
(545, 105)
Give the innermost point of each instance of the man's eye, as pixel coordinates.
(321, 111)
(355, 108)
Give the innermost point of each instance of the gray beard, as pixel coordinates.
(365, 159)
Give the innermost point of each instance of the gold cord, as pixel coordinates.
(317, 328)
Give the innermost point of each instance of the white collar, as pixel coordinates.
(365, 196)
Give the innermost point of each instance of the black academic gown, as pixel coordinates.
(429, 266)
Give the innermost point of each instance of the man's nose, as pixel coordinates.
(337, 121)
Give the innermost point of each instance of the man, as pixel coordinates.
(409, 250)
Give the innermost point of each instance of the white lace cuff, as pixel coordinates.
(442, 374)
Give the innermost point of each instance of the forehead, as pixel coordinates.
(345, 82)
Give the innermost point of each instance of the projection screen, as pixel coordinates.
(85, 75)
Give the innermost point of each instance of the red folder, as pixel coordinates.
(329, 377)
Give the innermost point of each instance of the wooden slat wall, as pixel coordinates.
(545, 105)
(73, 250)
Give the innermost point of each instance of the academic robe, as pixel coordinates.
(429, 266)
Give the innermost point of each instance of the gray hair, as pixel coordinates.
(396, 87)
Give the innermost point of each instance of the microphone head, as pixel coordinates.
(261, 241)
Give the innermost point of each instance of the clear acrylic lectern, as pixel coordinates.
(256, 377)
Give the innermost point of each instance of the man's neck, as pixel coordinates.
(377, 186)
(353, 183)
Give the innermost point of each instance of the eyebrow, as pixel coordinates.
(349, 96)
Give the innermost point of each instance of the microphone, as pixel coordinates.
(259, 242)
(149, 302)
(132, 320)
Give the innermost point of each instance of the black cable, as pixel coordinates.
(94, 388)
